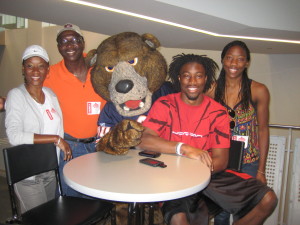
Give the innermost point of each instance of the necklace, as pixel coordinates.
(36, 99)
(81, 74)
(236, 100)
(42, 96)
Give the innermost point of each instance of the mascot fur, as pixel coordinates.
(129, 72)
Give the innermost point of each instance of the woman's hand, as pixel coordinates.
(261, 177)
(65, 147)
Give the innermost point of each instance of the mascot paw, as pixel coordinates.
(121, 138)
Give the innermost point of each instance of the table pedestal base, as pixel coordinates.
(136, 213)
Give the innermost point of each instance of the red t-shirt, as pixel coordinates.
(205, 126)
(79, 102)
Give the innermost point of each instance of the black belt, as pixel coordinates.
(82, 140)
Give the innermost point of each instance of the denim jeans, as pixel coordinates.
(223, 218)
(78, 149)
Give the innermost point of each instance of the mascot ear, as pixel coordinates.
(91, 57)
(151, 40)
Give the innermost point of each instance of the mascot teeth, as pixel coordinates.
(126, 108)
(142, 104)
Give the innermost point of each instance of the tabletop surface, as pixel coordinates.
(123, 178)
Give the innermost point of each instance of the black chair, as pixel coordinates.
(236, 151)
(28, 160)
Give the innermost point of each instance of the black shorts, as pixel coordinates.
(236, 193)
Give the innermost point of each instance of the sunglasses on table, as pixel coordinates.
(231, 113)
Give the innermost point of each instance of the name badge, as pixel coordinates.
(242, 138)
(93, 108)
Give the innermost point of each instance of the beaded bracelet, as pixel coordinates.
(261, 172)
(57, 143)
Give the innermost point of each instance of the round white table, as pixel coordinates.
(123, 178)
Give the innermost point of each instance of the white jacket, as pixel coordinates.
(23, 118)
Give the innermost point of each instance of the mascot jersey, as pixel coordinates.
(204, 126)
(109, 116)
(79, 102)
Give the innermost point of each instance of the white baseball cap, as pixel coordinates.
(35, 50)
(69, 26)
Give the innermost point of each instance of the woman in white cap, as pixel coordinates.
(33, 116)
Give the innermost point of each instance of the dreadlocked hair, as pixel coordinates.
(179, 60)
(245, 90)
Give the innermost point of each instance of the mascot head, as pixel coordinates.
(128, 69)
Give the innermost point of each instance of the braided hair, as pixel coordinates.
(180, 60)
(246, 82)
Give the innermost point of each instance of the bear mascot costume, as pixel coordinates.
(130, 74)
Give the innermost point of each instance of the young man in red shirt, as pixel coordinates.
(191, 124)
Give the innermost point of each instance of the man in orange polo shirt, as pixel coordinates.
(70, 79)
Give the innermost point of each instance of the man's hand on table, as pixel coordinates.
(195, 153)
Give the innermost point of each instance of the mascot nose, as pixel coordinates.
(124, 86)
